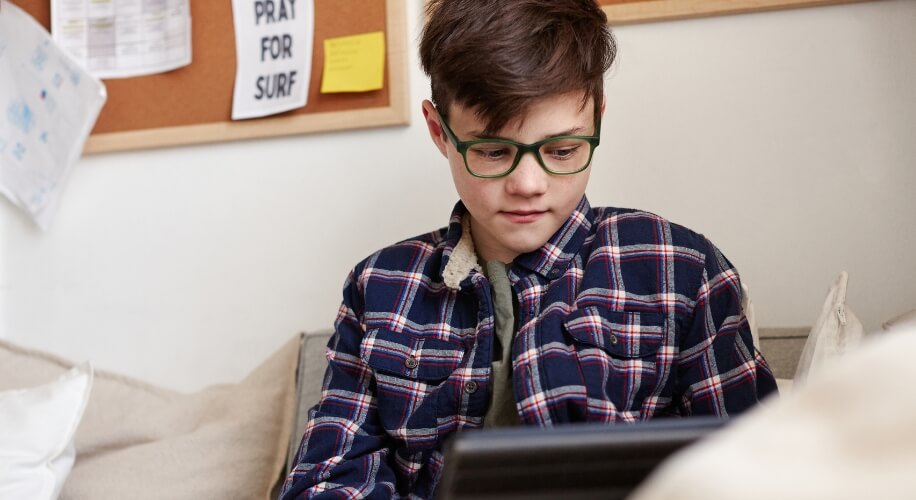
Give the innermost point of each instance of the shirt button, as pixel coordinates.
(470, 387)
(613, 339)
(411, 363)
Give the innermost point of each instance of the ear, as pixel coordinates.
(435, 128)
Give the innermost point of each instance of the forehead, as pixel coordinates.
(557, 112)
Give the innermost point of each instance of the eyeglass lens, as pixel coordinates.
(559, 155)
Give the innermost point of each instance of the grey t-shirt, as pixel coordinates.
(502, 411)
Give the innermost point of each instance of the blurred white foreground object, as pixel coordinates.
(848, 432)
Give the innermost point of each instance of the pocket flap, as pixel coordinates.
(410, 356)
(620, 333)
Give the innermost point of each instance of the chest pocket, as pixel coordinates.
(619, 333)
(409, 374)
(619, 358)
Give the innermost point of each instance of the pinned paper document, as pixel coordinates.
(48, 105)
(121, 39)
(273, 47)
(354, 63)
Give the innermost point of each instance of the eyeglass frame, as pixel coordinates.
(521, 149)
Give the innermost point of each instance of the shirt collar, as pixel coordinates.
(552, 259)
(459, 258)
(549, 261)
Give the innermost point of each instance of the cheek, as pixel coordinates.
(473, 191)
(577, 186)
(583, 181)
(456, 165)
(568, 190)
(458, 177)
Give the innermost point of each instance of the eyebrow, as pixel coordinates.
(480, 135)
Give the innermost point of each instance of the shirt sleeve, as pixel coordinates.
(720, 372)
(344, 450)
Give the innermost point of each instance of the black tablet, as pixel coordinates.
(566, 462)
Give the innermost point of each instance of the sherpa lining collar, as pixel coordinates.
(463, 259)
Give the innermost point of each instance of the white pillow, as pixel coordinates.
(37, 426)
(836, 332)
(747, 306)
(906, 320)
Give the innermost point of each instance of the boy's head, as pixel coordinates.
(518, 87)
(498, 57)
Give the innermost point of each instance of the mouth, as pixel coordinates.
(523, 216)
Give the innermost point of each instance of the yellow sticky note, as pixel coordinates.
(354, 63)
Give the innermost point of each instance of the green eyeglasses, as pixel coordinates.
(492, 158)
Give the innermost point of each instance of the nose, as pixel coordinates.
(528, 179)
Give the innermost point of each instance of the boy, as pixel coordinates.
(531, 307)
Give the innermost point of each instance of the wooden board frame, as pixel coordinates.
(639, 11)
(395, 113)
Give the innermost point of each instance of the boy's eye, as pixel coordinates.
(492, 152)
(563, 152)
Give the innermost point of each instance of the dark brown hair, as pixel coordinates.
(499, 56)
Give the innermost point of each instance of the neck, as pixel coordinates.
(486, 250)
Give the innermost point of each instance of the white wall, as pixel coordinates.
(787, 137)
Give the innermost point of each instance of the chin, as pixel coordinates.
(522, 247)
(532, 240)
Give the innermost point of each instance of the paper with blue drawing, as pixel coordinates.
(48, 106)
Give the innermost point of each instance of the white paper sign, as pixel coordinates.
(48, 106)
(273, 45)
(124, 38)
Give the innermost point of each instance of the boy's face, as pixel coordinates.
(517, 213)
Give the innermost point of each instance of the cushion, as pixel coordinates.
(905, 320)
(836, 331)
(36, 434)
(312, 364)
(747, 307)
(139, 441)
(782, 346)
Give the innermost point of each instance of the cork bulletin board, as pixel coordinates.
(637, 11)
(193, 104)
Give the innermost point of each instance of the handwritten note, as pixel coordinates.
(48, 106)
(354, 63)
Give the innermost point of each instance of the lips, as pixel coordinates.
(523, 216)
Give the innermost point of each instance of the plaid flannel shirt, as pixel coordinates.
(622, 316)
